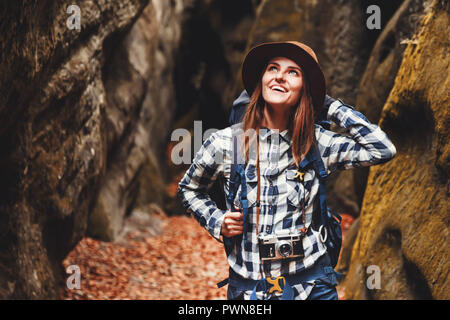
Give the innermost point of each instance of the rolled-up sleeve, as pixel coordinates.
(366, 144)
(193, 187)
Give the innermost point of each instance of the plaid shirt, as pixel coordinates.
(282, 194)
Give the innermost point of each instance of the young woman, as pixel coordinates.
(277, 250)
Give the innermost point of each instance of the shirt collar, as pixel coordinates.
(266, 132)
(285, 135)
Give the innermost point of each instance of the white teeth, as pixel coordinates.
(278, 88)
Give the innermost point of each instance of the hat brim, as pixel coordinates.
(260, 55)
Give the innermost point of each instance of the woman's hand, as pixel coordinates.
(232, 224)
(326, 105)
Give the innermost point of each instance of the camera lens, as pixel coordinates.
(284, 248)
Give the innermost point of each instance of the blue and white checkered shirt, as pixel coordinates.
(281, 194)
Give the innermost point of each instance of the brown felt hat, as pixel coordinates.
(304, 56)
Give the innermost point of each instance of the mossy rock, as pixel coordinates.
(404, 223)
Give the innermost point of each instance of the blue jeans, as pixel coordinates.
(321, 273)
(323, 291)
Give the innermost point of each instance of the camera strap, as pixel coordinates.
(258, 187)
(258, 204)
(304, 229)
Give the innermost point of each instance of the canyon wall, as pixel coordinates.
(404, 222)
(86, 116)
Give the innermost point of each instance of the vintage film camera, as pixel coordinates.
(281, 245)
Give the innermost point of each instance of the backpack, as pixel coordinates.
(330, 220)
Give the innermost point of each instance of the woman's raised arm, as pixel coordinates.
(367, 144)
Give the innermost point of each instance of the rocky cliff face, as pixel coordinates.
(138, 79)
(213, 41)
(404, 222)
(84, 117)
(374, 88)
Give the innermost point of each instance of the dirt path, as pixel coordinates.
(184, 262)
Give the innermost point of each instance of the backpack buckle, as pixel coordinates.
(323, 238)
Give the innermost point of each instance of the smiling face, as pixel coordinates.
(281, 83)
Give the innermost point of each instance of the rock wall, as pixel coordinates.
(84, 119)
(138, 77)
(213, 41)
(404, 223)
(374, 88)
(380, 72)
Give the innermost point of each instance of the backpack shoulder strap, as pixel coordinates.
(234, 183)
(239, 107)
(319, 168)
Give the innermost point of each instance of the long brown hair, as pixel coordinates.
(301, 119)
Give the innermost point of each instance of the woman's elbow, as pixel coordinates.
(180, 190)
(390, 151)
(384, 155)
(393, 152)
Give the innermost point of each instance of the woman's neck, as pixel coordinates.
(275, 119)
